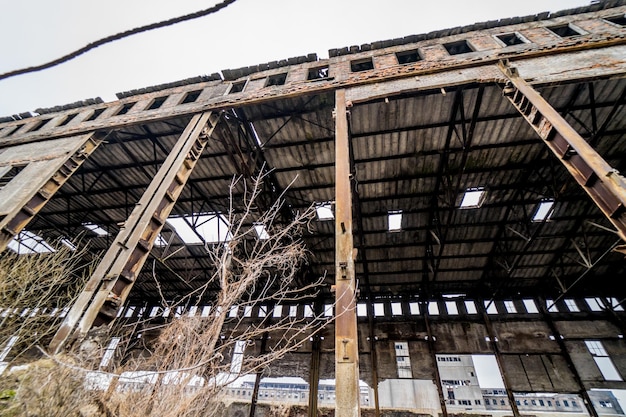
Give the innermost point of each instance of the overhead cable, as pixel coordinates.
(116, 37)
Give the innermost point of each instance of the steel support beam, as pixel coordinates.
(603, 183)
(433, 355)
(346, 342)
(114, 277)
(38, 190)
(496, 351)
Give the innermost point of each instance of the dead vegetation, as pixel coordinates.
(184, 370)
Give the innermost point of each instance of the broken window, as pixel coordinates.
(191, 96)
(602, 359)
(407, 57)
(157, 102)
(565, 31)
(7, 173)
(237, 87)
(278, 79)
(457, 48)
(68, 119)
(619, 20)
(473, 198)
(362, 65)
(403, 360)
(96, 113)
(318, 73)
(125, 109)
(510, 39)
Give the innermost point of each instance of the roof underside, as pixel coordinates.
(416, 153)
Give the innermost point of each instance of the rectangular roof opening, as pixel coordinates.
(197, 229)
(473, 198)
(261, 231)
(619, 20)
(27, 242)
(237, 87)
(157, 102)
(544, 210)
(96, 229)
(395, 220)
(324, 211)
(278, 79)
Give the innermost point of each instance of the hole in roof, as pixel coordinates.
(237, 87)
(201, 228)
(564, 31)
(408, 57)
(68, 243)
(278, 79)
(457, 48)
(544, 210)
(261, 231)
(318, 73)
(27, 242)
(191, 96)
(324, 211)
(157, 102)
(473, 198)
(125, 109)
(510, 39)
(362, 65)
(96, 113)
(619, 20)
(68, 119)
(395, 220)
(96, 229)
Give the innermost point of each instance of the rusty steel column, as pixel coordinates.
(603, 183)
(22, 211)
(108, 287)
(346, 342)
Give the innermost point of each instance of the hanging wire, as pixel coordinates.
(117, 37)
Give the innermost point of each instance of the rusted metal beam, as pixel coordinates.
(114, 277)
(36, 192)
(346, 342)
(603, 183)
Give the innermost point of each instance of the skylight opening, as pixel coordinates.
(490, 307)
(201, 228)
(278, 79)
(408, 57)
(95, 229)
(510, 39)
(362, 65)
(395, 221)
(619, 20)
(160, 241)
(379, 309)
(68, 243)
(361, 310)
(396, 309)
(565, 31)
(324, 211)
(27, 242)
(191, 96)
(157, 102)
(414, 308)
(530, 305)
(544, 211)
(452, 308)
(473, 198)
(261, 231)
(458, 48)
(318, 73)
(237, 87)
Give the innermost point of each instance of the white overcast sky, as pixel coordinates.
(246, 33)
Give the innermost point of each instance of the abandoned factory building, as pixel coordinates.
(466, 239)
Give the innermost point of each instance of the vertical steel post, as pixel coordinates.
(346, 342)
(108, 287)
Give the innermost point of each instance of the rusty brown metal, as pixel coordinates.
(346, 342)
(23, 210)
(108, 287)
(603, 183)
